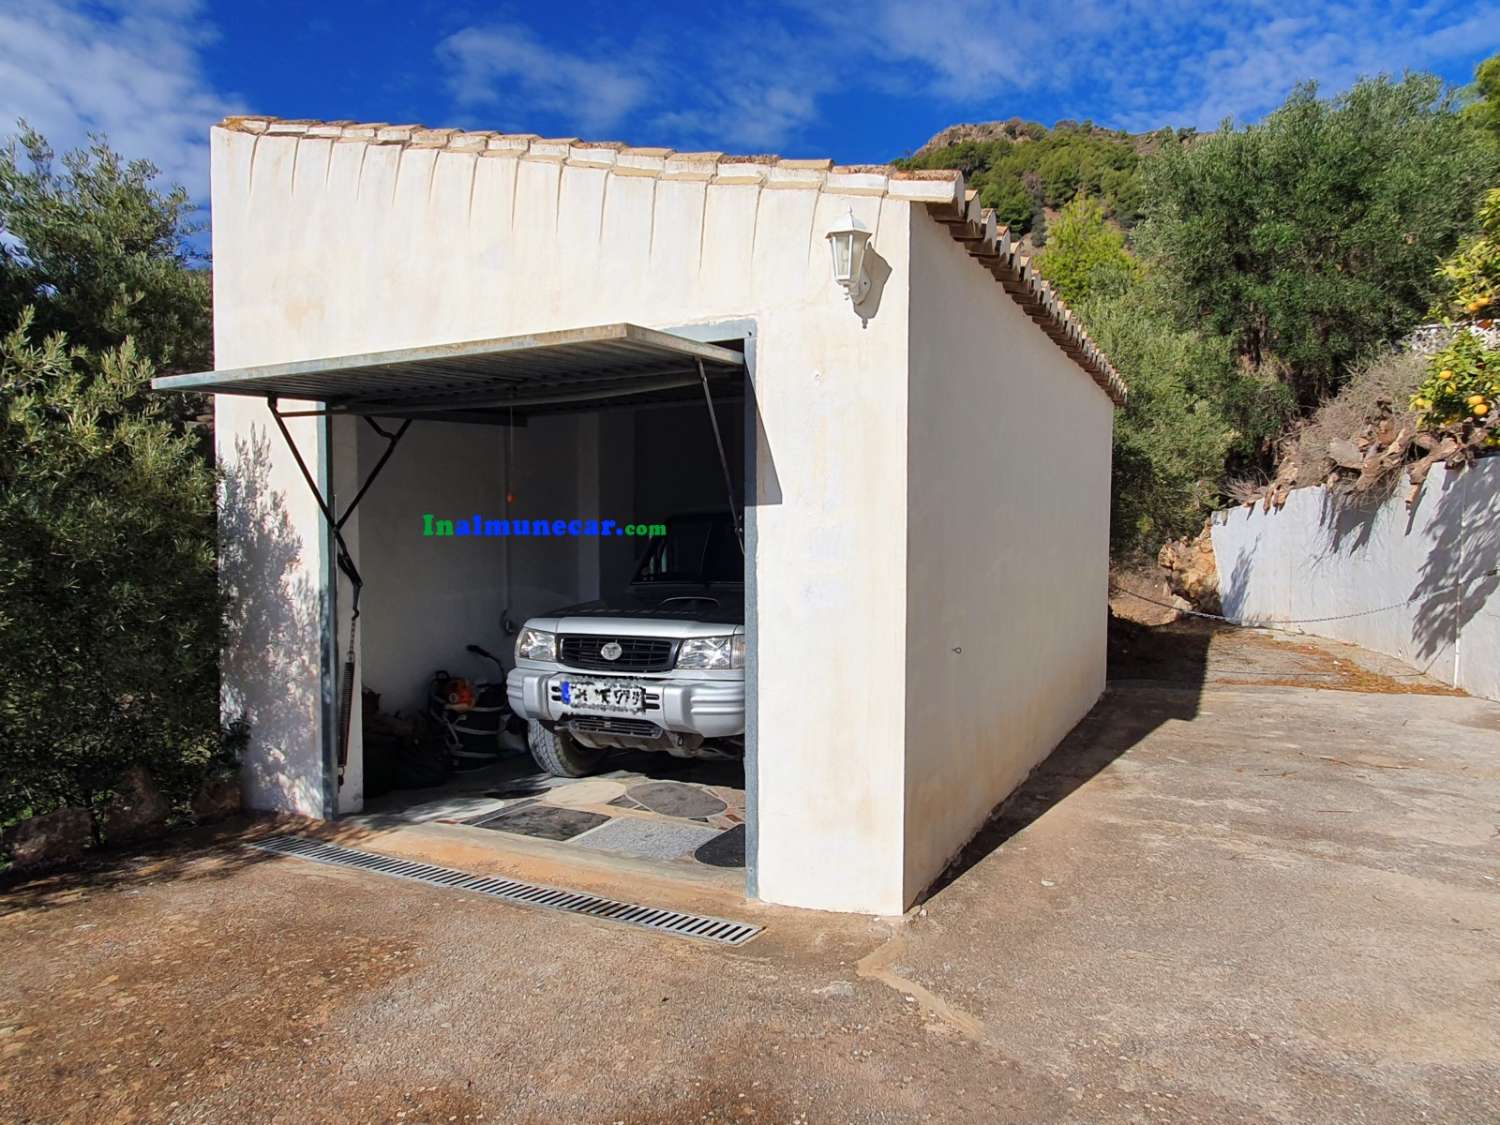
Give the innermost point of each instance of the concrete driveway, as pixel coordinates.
(1219, 900)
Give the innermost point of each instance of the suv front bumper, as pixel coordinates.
(710, 708)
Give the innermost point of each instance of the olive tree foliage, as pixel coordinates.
(109, 607)
(1312, 238)
(1192, 410)
(99, 252)
(109, 622)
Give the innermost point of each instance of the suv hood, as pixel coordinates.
(672, 611)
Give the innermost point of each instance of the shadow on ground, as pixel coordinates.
(1174, 657)
(208, 852)
(1158, 673)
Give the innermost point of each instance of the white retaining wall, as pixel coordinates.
(1434, 564)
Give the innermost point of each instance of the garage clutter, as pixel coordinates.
(467, 725)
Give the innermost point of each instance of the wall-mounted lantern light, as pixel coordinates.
(847, 240)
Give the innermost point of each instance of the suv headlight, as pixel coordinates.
(712, 652)
(533, 644)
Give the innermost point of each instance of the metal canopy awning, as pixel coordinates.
(485, 379)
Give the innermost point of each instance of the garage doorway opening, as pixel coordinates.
(643, 786)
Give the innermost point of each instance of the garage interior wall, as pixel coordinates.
(1007, 550)
(427, 597)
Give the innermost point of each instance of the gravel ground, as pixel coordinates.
(1217, 901)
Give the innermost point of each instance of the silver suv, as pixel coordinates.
(661, 669)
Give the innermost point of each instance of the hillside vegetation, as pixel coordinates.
(1022, 169)
(1239, 279)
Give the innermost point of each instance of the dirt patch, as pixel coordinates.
(1194, 652)
(143, 1007)
(1140, 593)
(714, 1105)
(1342, 674)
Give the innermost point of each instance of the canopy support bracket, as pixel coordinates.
(344, 559)
(713, 420)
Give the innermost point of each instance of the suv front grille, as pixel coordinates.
(638, 654)
(609, 724)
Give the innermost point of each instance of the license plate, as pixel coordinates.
(597, 695)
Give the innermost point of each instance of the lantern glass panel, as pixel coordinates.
(843, 251)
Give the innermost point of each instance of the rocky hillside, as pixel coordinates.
(1026, 171)
(1017, 131)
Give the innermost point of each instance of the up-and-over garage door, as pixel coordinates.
(490, 380)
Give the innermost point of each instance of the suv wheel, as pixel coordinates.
(559, 754)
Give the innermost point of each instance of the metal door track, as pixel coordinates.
(703, 927)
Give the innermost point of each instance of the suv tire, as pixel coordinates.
(559, 754)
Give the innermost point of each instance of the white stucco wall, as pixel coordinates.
(328, 248)
(1008, 550)
(1314, 558)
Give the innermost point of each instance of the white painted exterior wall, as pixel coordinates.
(873, 765)
(1315, 559)
(1007, 551)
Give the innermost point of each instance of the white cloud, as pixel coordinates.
(130, 70)
(1145, 63)
(505, 65)
(752, 85)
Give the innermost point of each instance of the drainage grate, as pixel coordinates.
(700, 926)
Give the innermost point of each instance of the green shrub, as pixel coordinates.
(1472, 276)
(1171, 438)
(1060, 162)
(109, 619)
(109, 601)
(1085, 256)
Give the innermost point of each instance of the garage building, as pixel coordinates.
(573, 330)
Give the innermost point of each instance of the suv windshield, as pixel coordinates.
(697, 549)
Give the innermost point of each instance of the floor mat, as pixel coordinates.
(545, 822)
(725, 850)
(673, 798)
(519, 789)
(647, 839)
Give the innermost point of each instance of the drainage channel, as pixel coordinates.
(701, 927)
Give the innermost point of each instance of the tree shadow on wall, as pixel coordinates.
(1351, 519)
(1457, 576)
(269, 670)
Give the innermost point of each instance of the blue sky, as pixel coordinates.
(860, 82)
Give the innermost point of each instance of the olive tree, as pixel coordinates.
(99, 252)
(1313, 236)
(109, 605)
